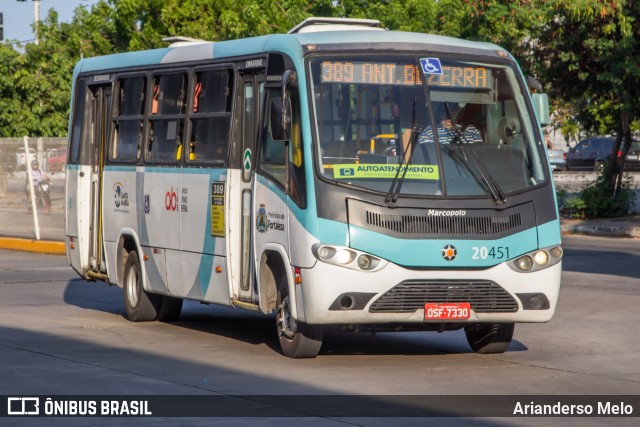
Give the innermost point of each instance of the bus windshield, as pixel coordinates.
(446, 127)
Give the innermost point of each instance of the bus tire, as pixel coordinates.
(297, 340)
(489, 338)
(170, 309)
(140, 306)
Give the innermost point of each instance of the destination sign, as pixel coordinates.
(383, 73)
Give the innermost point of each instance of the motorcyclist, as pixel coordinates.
(38, 176)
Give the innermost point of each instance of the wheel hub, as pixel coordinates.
(286, 323)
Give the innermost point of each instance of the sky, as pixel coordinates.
(19, 16)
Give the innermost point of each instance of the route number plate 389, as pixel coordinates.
(447, 311)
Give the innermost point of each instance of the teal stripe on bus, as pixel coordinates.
(549, 233)
(428, 253)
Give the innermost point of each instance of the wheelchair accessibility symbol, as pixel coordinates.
(431, 65)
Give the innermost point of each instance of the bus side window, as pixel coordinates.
(129, 119)
(166, 122)
(272, 153)
(297, 178)
(211, 117)
(77, 123)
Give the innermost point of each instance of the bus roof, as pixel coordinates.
(330, 37)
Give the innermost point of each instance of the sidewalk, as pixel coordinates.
(628, 226)
(28, 245)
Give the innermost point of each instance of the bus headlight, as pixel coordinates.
(556, 252)
(537, 260)
(325, 252)
(541, 258)
(347, 257)
(364, 262)
(344, 256)
(524, 263)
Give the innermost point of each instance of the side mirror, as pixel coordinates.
(280, 117)
(541, 107)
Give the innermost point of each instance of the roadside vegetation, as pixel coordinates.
(596, 201)
(585, 53)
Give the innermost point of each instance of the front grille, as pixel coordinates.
(484, 296)
(450, 225)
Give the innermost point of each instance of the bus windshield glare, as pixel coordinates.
(449, 127)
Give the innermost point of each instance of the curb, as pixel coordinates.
(28, 245)
(602, 230)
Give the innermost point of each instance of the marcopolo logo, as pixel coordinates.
(437, 212)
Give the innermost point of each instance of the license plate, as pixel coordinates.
(447, 311)
(633, 157)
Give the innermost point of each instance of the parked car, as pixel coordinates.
(590, 153)
(21, 158)
(56, 159)
(557, 160)
(632, 161)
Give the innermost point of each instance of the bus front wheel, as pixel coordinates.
(170, 308)
(140, 306)
(297, 340)
(489, 338)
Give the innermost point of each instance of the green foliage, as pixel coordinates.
(597, 201)
(591, 54)
(600, 203)
(586, 52)
(35, 84)
(574, 208)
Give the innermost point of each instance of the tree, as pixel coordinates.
(585, 52)
(591, 53)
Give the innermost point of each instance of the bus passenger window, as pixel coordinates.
(272, 153)
(167, 118)
(129, 120)
(297, 179)
(211, 117)
(78, 120)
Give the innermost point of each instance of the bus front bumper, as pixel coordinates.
(333, 295)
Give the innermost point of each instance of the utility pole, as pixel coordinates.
(36, 13)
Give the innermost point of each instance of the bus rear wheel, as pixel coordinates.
(140, 306)
(297, 340)
(489, 338)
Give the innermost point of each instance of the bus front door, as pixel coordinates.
(250, 100)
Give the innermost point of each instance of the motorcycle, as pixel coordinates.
(43, 199)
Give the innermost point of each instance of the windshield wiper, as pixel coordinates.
(396, 183)
(495, 191)
(494, 188)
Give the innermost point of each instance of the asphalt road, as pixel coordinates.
(62, 335)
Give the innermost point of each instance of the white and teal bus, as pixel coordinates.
(292, 174)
